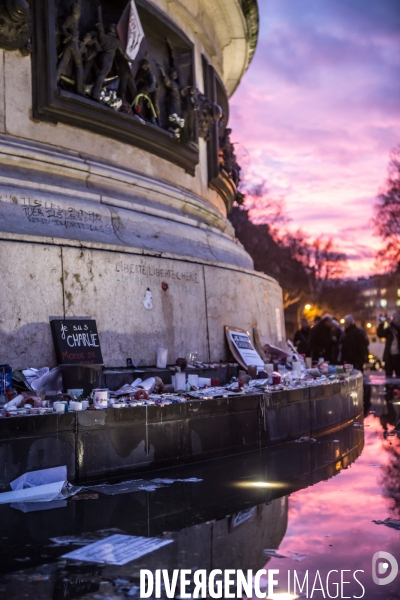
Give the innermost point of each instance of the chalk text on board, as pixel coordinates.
(83, 339)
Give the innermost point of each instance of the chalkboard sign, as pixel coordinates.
(76, 342)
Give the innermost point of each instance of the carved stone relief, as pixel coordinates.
(15, 25)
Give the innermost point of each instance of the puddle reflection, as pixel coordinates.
(300, 498)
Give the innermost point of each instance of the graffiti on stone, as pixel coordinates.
(125, 269)
(52, 213)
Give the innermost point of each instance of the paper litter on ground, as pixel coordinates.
(137, 485)
(44, 379)
(126, 487)
(169, 481)
(117, 549)
(86, 538)
(44, 485)
(273, 553)
(40, 477)
(297, 556)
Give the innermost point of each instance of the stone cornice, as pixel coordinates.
(232, 43)
(95, 178)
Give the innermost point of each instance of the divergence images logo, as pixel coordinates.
(382, 567)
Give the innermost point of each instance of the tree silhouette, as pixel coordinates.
(387, 215)
(305, 268)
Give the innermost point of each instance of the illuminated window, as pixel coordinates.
(398, 292)
(371, 303)
(398, 302)
(383, 292)
(384, 303)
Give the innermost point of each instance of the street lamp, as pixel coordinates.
(369, 325)
(307, 307)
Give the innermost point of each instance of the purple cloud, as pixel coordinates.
(319, 111)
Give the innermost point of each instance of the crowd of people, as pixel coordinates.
(327, 339)
(389, 330)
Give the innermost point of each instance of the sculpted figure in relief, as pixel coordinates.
(71, 59)
(110, 46)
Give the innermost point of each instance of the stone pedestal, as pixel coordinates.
(92, 222)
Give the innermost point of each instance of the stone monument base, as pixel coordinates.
(154, 264)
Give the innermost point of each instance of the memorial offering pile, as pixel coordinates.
(153, 391)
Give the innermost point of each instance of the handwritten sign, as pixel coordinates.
(76, 342)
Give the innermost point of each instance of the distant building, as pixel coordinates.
(380, 296)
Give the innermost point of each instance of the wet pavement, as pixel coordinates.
(330, 525)
(313, 500)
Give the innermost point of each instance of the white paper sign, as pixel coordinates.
(246, 349)
(117, 549)
(135, 32)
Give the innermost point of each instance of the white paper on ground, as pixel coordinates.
(86, 538)
(125, 390)
(44, 379)
(40, 477)
(117, 549)
(40, 493)
(126, 487)
(44, 485)
(273, 553)
(137, 485)
(297, 556)
(32, 374)
(211, 393)
(169, 481)
(14, 403)
(148, 384)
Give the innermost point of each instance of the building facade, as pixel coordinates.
(116, 176)
(380, 297)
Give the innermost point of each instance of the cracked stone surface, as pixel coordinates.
(111, 287)
(30, 292)
(241, 300)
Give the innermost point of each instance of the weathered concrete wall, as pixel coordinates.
(30, 292)
(75, 207)
(43, 280)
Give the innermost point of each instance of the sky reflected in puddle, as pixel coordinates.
(312, 502)
(330, 525)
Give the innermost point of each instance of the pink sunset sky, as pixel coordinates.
(318, 112)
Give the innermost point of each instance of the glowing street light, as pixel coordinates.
(258, 484)
(342, 321)
(261, 484)
(369, 325)
(307, 307)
